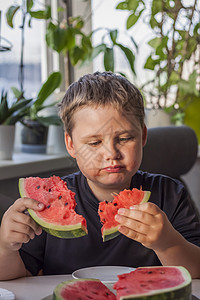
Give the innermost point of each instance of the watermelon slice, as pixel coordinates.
(59, 217)
(155, 283)
(82, 289)
(108, 210)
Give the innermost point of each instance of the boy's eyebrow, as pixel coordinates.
(100, 135)
(90, 136)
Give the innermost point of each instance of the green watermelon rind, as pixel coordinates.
(109, 234)
(180, 292)
(58, 289)
(61, 231)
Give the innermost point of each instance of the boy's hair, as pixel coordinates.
(99, 89)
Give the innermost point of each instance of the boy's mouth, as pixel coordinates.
(113, 169)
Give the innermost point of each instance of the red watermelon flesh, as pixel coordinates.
(108, 210)
(154, 280)
(155, 283)
(83, 289)
(59, 217)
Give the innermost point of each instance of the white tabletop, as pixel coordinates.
(41, 287)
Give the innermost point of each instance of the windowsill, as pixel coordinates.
(26, 163)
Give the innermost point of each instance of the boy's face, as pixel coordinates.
(107, 147)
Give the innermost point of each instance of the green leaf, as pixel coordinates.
(97, 50)
(122, 5)
(109, 59)
(129, 55)
(11, 13)
(113, 35)
(156, 7)
(29, 5)
(3, 107)
(133, 4)
(17, 93)
(133, 18)
(191, 111)
(151, 63)
(41, 14)
(153, 23)
(75, 55)
(52, 82)
(193, 83)
(49, 120)
(154, 43)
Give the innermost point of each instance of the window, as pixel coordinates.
(10, 60)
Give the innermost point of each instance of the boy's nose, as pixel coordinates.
(111, 151)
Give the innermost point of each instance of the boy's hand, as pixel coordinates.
(18, 227)
(146, 223)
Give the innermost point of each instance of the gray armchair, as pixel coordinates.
(171, 151)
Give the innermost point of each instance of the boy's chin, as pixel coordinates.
(115, 182)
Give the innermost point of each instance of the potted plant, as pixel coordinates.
(173, 60)
(35, 129)
(9, 116)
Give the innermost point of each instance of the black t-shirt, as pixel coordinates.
(63, 256)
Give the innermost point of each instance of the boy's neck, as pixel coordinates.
(102, 193)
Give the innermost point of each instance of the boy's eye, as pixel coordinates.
(95, 143)
(125, 139)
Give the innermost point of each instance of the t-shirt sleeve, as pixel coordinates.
(32, 254)
(173, 198)
(185, 218)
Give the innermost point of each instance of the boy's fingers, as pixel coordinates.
(22, 204)
(147, 207)
(26, 220)
(137, 215)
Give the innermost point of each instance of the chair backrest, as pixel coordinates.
(170, 150)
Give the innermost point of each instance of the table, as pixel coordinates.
(40, 287)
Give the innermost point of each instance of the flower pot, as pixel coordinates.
(34, 137)
(7, 136)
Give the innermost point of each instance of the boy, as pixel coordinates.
(103, 115)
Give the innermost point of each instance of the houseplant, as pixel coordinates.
(10, 114)
(36, 124)
(173, 60)
(35, 129)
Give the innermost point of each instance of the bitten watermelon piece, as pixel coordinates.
(155, 283)
(152, 283)
(108, 210)
(59, 217)
(82, 289)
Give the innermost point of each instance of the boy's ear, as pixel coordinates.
(144, 136)
(69, 145)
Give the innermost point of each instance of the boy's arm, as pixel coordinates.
(149, 225)
(11, 265)
(181, 253)
(16, 228)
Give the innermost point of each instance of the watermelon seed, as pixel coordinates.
(48, 206)
(66, 203)
(149, 272)
(60, 197)
(101, 210)
(49, 190)
(38, 187)
(143, 285)
(115, 204)
(106, 202)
